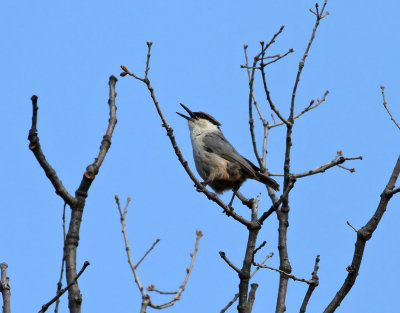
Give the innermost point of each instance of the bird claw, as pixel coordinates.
(204, 184)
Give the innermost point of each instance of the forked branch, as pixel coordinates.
(146, 299)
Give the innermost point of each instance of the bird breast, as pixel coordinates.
(210, 166)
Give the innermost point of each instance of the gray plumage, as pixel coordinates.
(217, 161)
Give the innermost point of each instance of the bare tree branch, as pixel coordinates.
(363, 235)
(252, 98)
(59, 284)
(146, 299)
(147, 252)
(244, 274)
(322, 168)
(5, 288)
(153, 288)
(229, 211)
(355, 229)
(225, 258)
(76, 203)
(251, 276)
(314, 282)
(62, 291)
(308, 108)
(319, 16)
(34, 146)
(283, 213)
(277, 203)
(386, 107)
(252, 297)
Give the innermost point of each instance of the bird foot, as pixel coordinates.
(204, 184)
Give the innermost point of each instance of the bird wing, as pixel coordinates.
(216, 143)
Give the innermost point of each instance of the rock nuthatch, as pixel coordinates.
(217, 161)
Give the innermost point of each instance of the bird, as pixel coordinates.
(216, 160)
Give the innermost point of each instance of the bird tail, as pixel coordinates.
(268, 181)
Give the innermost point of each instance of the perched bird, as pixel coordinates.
(217, 161)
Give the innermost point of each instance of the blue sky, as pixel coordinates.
(64, 52)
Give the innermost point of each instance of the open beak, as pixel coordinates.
(192, 116)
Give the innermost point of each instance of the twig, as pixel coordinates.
(355, 229)
(146, 300)
(5, 288)
(230, 303)
(277, 203)
(152, 288)
(394, 191)
(62, 291)
(269, 99)
(34, 146)
(308, 108)
(387, 109)
(278, 57)
(335, 162)
(288, 275)
(59, 284)
(251, 276)
(170, 133)
(311, 287)
(147, 252)
(224, 257)
(363, 235)
(252, 98)
(319, 16)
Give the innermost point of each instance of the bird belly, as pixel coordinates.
(217, 171)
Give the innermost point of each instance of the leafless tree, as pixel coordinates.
(280, 204)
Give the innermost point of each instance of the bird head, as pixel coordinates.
(199, 119)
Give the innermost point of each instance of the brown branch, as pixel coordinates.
(59, 284)
(252, 297)
(251, 276)
(76, 203)
(72, 238)
(146, 300)
(288, 275)
(335, 162)
(283, 213)
(319, 16)
(363, 235)
(34, 146)
(394, 191)
(252, 99)
(244, 274)
(386, 107)
(314, 283)
(147, 252)
(355, 229)
(269, 99)
(5, 288)
(278, 57)
(277, 203)
(308, 108)
(62, 291)
(229, 211)
(225, 258)
(152, 288)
